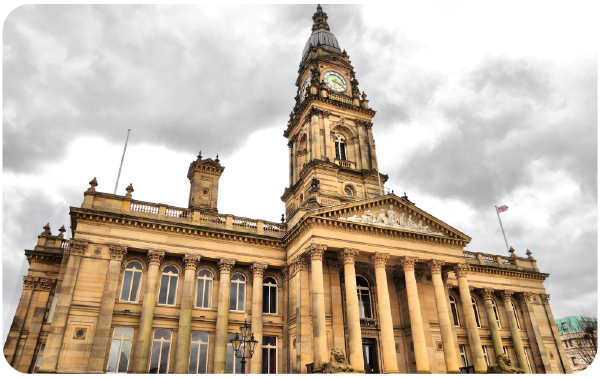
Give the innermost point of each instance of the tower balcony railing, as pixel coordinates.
(345, 163)
(520, 263)
(340, 97)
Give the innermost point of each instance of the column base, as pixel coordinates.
(391, 372)
(423, 372)
(46, 371)
(454, 372)
(481, 372)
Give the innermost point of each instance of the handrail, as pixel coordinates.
(469, 256)
(144, 207)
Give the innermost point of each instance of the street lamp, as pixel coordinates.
(244, 347)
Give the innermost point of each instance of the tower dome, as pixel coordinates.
(321, 34)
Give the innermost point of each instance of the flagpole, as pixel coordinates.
(498, 214)
(122, 158)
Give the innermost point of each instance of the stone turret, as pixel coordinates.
(204, 175)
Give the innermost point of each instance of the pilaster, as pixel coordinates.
(220, 362)
(16, 327)
(540, 356)
(258, 271)
(318, 302)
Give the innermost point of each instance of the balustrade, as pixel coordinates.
(144, 207)
(345, 163)
(244, 223)
(340, 98)
(469, 256)
(177, 212)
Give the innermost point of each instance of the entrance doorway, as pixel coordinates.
(370, 356)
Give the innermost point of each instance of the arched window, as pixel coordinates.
(514, 308)
(476, 312)
(364, 298)
(348, 190)
(237, 295)
(454, 309)
(204, 285)
(496, 313)
(269, 296)
(131, 282)
(340, 147)
(168, 286)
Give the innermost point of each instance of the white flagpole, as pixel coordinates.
(498, 214)
(122, 158)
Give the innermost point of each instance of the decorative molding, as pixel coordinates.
(461, 270)
(334, 266)
(78, 246)
(435, 266)
(486, 293)
(449, 288)
(408, 263)
(348, 255)
(365, 269)
(390, 219)
(191, 261)
(545, 298)
(316, 251)
(225, 265)
(155, 257)
(419, 274)
(285, 272)
(525, 297)
(29, 283)
(117, 252)
(258, 269)
(506, 295)
(47, 284)
(379, 259)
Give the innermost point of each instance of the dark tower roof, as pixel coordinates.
(321, 34)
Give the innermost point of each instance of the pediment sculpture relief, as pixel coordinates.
(390, 219)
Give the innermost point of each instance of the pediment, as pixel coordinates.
(391, 211)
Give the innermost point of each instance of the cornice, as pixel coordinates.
(508, 272)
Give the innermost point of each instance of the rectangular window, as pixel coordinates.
(527, 358)
(269, 357)
(234, 364)
(52, 308)
(564, 327)
(485, 355)
(505, 350)
(463, 355)
(574, 359)
(118, 360)
(198, 353)
(38, 360)
(161, 348)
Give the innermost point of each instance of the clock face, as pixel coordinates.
(304, 87)
(335, 81)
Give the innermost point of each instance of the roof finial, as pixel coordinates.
(217, 159)
(200, 155)
(320, 19)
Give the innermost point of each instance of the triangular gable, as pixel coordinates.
(397, 213)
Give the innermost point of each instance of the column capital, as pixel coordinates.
(77, 246)
(545, 298)
(348, 255)
(506, 294)
(285, 272)
(486, 293)
(155, 257)
(435, 266)
(326, 114)
(29, 282)
(379, 259)
(258, 269)
(117, 252)
(334, 266)
(525, 296)
(461, 270)
(225, 265)
(47, 284)
(408, 263)
(316, 251)
(191, 261)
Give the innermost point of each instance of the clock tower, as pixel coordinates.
(332, 159)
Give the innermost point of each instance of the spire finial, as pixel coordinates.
(217, 159)
(200, 155)
(320, 19)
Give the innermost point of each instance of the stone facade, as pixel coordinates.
(580, 346)
(146, 287)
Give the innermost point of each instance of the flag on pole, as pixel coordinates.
(502, 208)
(373, 143)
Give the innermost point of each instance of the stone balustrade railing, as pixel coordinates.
(244, 223)
(340, 98)
(65, 244)
(345, 163)
(144, 207)
(178, 212)
(520, 263)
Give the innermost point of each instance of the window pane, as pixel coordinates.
(273, 300)
(124, 361)
(229, 368)
(273, 358)
(241, 293)
(203, 359)
(233, 297)
(205, 273)
(207, 294)
(126, 285)
(172, 290)
(154, 358)
(162, 295)
(200, 293)
(193, 358)
(162, 333)
(269, 340)
(114, 355)
(367, 305)
(137, 277)
(265, 299)
(265, 361)
(343, 150)
(337, 150)
(164, 357)
(171, 269)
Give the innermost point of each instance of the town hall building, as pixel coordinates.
(353, 277)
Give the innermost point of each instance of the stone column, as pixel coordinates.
(355, 358)
(337, 313)
(77, 249)
(17, 324)
(304, 346)
(441, 303)
(486, 294)
(102, 332)
(286, 329)
(144, 338)
(388, 345)
(564, 360)
(414, 310)
(184, 334)
(461, 271)
(363, 145)
(541, 360)
(220, 363)
(318, 306)
(315, 136)
(24, 365)
(514, 330)
(291, 165)
(258, 270)
(327, 137)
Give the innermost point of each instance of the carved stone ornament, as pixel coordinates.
(326, 114)
(503, 366)
(399, 281)
(545, 298)
(486, 293)
(390, 219)
(334, 266)
(435, 266)
(525, 297)
(348, 255)
(461, 270)
(285, 272)
(29, 282)
(337, 363)
(46, 284)
(225, 265)
(117, 251)
(408, 263)
(191, 261)
(258, 269)
(379, 259)
(316, 251)
(419, 274)
(449, 288)
(77, 246)
(155, 257)
(506, 295)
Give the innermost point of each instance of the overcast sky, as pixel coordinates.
(478, 104)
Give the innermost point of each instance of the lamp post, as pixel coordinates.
(244, 347)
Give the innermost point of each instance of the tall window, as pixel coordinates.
(463, 355)
(496, 313)
(269, 356)
(52, 308)
(527, 358)
(269, 296)
(234, 364)
(131, 282)
(38, 360)
(485, 355)
(204, 285)
(364, 298)
(168, 286)
(514, 308)
(120, 349)
(476, 312)
(340, 147)
(237, 295)
(198, 353)
(505, 350)
(454, 309)
(161, 346)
